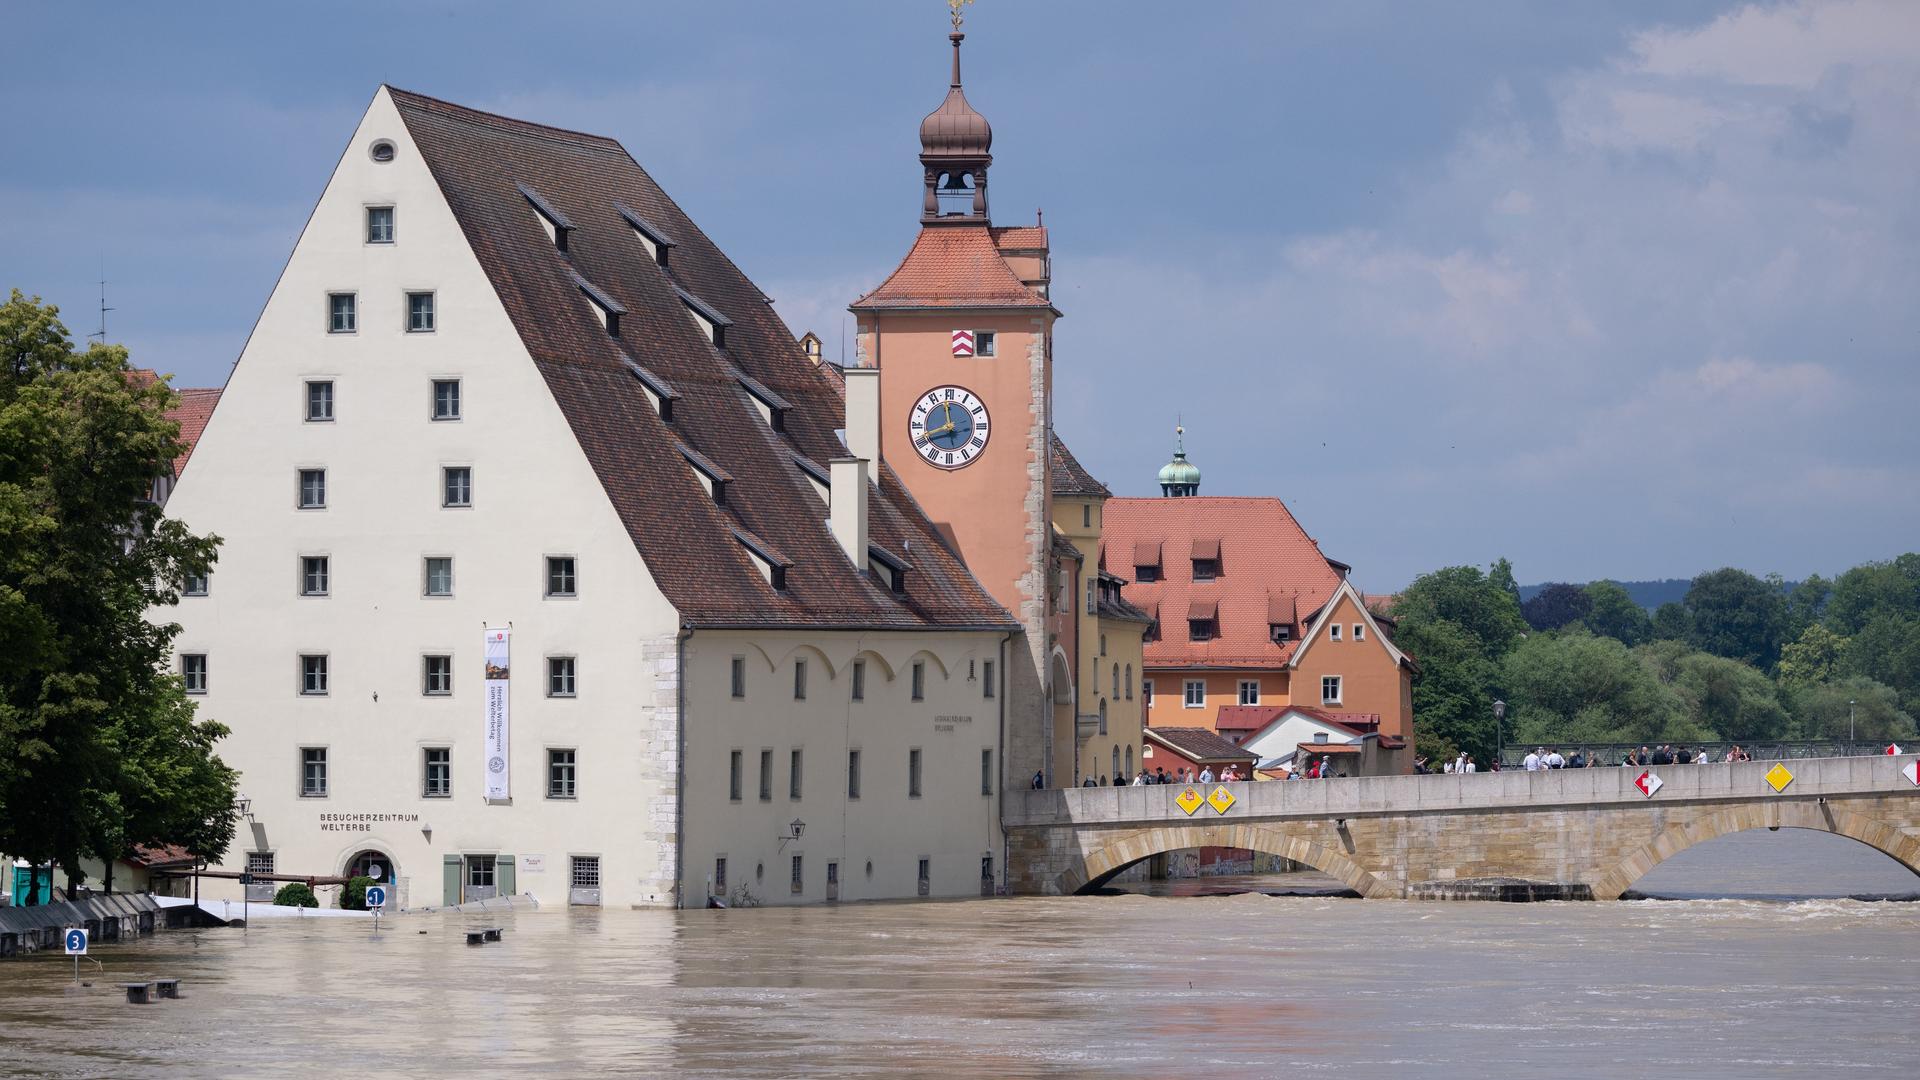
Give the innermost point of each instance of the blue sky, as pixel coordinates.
(1622, 289)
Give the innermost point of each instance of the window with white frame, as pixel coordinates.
(456, 486)
(343, 315)
(313, 772)
(195, 585)
(985, 342)
(561, 579)
(313, 489)
(436, 676)
(1249, 691)
(560, 673)
(446, 399)
(1359, 631)
(379, 224)
(1196, 693)
(313, 674)
(1330, 689)
(193, 672)
(562, 774)
(319, 400)
(439, 574)
(480, 871)
(420, 313)
(437, 769)
(1333, 631)
(316, 575)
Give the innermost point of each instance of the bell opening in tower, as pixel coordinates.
(955, 193)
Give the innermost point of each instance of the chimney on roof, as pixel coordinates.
(863, 416)
(847, 508)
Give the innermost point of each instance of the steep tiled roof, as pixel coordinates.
(1069, 478)
(1264, 554)
(952, 266)
(1198, 744)
(1019, 237)
(690, 545)
(193, 412)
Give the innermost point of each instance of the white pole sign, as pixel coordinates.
(498, 742)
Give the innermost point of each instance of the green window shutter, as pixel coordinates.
(450, 874)
(503, 874)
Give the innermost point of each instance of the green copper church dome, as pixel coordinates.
(1179, 477)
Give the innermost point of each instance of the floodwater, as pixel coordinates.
(1135, 985)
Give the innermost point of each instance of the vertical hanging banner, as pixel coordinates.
(498, 741)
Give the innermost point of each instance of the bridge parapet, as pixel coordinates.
(1444, 792)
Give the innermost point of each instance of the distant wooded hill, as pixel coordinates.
(1648, 594)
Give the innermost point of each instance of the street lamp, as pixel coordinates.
(1850, 704)
(1499, 740)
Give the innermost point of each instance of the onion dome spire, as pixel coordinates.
(1179, 478)
(956, 146)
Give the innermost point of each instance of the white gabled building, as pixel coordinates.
(504, 383)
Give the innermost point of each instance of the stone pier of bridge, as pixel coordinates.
(1593, 832)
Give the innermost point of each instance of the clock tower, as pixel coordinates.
(961, 338)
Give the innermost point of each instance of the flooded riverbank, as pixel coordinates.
(1117, 985)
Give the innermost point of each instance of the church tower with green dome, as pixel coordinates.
(1179, 478)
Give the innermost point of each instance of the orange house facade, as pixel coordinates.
(1248, 611)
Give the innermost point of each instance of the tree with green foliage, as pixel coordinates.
(99, 746)
(1556, 605)
(1670, 622)
(1811, 659)
(1887, 649)
(1873, 589)
(1457, 623)
(353, 895)
(1870, 710)
(1736, 615)
(1573, 687)
(296, 894)
(1727, 698)
(1806, 604)
(1611, 612)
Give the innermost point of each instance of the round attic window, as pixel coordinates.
(382, 151)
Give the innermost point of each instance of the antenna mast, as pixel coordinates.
(102, 332)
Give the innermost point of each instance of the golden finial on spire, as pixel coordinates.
(956, 5)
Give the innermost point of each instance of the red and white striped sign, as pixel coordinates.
(1893, 749)
(963, 343)
(1911, 770)
(1648, 783)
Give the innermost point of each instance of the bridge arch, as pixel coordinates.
(1821, 816)
(1097, 867)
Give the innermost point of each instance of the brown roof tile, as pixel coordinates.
(1069, 478)
(952, 266)
(193, 412)
(689, 544)
(1198, 745)
(1019, 237)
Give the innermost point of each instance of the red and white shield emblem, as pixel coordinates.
(963, 343)
(1647, 783)
(1911, 770)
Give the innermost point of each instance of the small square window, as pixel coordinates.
(446, 399)
(913, 773)
(1333, 632)
(737, 677)
(456, 486)
(984, 342)
(1249, 692)
(313, 489)
(437, 783)
(195, 585)
(313, 772)
(1146, 575)
(1202, 629)
(439, 572)
(313, 675)
(319, 400)
(584, 871)
(1206, 569)
(419, 313)
(193, 672)
(342, 313)
(1196, 694)
(437, 677)
(919, 680)
(1330, 690)
(379, 224)
(316, 575)
(560, 672)
(561, 580)
(1359, 631)
(562, 774)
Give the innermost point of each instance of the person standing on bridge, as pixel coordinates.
(1532, 762)
(1206, 774)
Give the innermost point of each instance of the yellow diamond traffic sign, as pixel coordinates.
(1188, 800)
(1779, 777)
(1220, 800)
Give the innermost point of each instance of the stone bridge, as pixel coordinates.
(1590, 830)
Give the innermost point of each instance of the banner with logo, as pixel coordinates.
(498, 742)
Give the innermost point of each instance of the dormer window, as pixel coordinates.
(821, 480)
(1203, 620)
(1280, 634)
(551, 219)
(657, 243)
(710, 322)
(772, 565)
(883, 565)
(1146, 562)
(772, 406)
(604, 306)
(712, 477)
(1206, 560)
(659, 393)
(1280, 618)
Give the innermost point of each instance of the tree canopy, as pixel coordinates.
(99, 746)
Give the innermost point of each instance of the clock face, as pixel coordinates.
(949, 427)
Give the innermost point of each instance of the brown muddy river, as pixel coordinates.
(1135, 985)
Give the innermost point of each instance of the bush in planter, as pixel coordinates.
(296, 894)
(353, 895)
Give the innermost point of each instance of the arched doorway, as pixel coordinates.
(377, 865)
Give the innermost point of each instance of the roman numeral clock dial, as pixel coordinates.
(949, 427)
